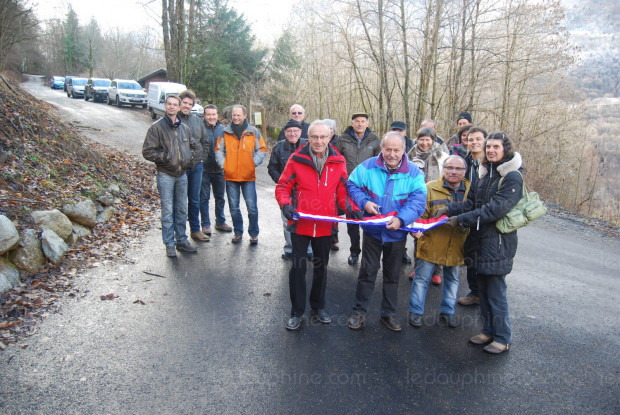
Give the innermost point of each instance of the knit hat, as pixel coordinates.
(464, 115)
(292, 123)
(398, 125)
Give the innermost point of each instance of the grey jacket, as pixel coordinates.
(355, 151)
(199, 132)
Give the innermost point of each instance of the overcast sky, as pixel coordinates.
(266, 17)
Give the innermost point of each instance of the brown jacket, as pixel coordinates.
(170, 146)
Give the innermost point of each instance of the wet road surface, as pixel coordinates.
(210, 338)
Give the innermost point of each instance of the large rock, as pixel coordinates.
(9, 237)
(55, 221)
(53, 246)
(29, 255)
(115, 190)
(106, 199)
(79, 232)
(106, 214)
(9, 275)
(84, 213)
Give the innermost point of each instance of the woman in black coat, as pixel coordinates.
(488, 250)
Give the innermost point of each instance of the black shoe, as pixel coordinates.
(449, 320)
(356, 321)
(406, 258)
(415, 319)
(310, 257)
(391, 322)
(186, 247)
(287, 255)
(171, 252)
(353, 259)
(293, 323)
(321, 315)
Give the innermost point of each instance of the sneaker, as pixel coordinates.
(237, 238)
(171, 252)
(436, 279)
(469, 299)
(200, 236)
(293, 323)
(253, 239)
(415, 319)
(186, 247)
(356, 321)
(449, 320)
(391, 323)
(224, 227)
(206, 230)
(412, 276)
(321, 315)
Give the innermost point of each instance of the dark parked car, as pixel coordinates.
(57, 82)
(96, 89)
(64, 87)
(75, 87)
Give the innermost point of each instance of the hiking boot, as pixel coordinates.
(449, 320)
(253, 239)
(415, 319)
(321, 315)
(356, 321)
(200, 236)
(293, 323)
(469, 299)
(391, 323)
(206, 230)
(237, 238)
(224, 227)
(186, 247)
(171, 252)
(436, 279)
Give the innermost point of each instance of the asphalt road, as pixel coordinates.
(210, 338)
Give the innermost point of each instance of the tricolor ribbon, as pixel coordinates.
(421, 225)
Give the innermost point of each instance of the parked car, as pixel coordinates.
(75, 87)
(126, 92)
(57, 82)
(96, 89)
(67, 78)
(159, 91)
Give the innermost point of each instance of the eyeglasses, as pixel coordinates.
(450, 168)
(297, 113)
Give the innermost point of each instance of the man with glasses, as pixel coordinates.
(297, 113)
(442, 245)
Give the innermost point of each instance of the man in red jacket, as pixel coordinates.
(315, 162)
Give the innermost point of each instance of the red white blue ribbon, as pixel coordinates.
(421, 225)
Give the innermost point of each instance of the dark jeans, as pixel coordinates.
(194, 181)
(354, 235)
(217, 182)
(494, 307)
(392, 260)
(472, 280)
(297, 274)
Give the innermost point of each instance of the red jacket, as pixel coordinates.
(301, 186)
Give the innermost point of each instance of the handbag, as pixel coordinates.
(529, 208)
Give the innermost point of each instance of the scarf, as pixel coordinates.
(319, 162)
(239, 129)
(427, 164)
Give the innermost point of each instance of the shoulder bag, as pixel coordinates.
(529, 208)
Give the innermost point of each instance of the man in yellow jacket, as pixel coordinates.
(441, 245)
(239, 149)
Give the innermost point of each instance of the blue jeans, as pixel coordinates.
(194, 180)
(233, 191)
(217, 182)
(173, 198)
(423, 272)
(494, 307)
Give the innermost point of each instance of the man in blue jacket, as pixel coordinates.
(383, 184)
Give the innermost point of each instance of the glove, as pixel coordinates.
(453, 221)
(289, 211)
(357, 214)
(440, 212)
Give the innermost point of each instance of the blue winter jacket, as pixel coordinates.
(403, 191)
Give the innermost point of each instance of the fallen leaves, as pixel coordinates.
(110, 296)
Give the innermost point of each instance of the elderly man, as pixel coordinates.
(194, 170)
(170, 145)
(239, 150)
(213, 177)
(383, 184)
(442, 245)
(357, 143)
(279, 156)
(313, 181)
(297, 113)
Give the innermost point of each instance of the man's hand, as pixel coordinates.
(357, 214)
(417, 234)
(289, 212)
(393, 224)
(441, 211)
(453, 221)
(372, 208)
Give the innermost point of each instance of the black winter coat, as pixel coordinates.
(486, 249)
(280, 155)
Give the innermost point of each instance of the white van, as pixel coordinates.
(159, 91)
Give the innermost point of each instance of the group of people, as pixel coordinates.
(472, 178)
